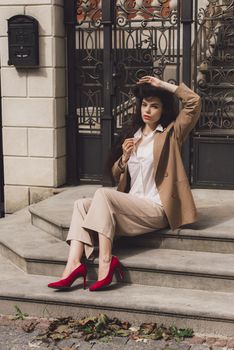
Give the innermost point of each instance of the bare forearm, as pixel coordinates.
(158, 83)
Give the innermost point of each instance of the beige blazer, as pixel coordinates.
(170, 176)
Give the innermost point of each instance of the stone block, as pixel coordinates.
(60, 142)
(29, 171)
(58, 19)
(58, 2)
(44, 15)
(46, 45)
(7, 12)
(15, 142)
(4, 51)
(16, 198)
(60, 83)
(41, 82)
(19, 87)
(28, 112)
(25, 2)
(59, 52)
(41, 142)
(60, 112)
(38, 194)
(60, 171)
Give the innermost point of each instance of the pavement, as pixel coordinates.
(15, 334)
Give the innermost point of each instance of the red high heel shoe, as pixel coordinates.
(115, 264)
(80, 271)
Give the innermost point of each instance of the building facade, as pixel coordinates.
(34, 108)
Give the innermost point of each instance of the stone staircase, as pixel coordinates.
(184, 277)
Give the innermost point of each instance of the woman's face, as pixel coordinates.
(151, 111)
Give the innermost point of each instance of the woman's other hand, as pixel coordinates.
(127, 148)
(157, 83)
(151, 80)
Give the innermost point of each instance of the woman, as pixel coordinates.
(153, 190)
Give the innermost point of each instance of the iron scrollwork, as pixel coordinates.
(215, 62)
(146, 36)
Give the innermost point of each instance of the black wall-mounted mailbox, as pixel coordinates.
(23, 41)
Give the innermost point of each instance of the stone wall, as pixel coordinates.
(33, 108)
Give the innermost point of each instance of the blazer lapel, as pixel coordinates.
(159, 141)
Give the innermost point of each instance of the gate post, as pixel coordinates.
(2, 211)
(107, 124)
(71, 118)
(187, 20)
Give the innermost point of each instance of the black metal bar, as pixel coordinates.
(2, 208)
(71, 118)
(107, 124)
(187, 20)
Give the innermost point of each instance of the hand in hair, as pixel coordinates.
(157, 83)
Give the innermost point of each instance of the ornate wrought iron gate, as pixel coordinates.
(113, 43)
(213, 164)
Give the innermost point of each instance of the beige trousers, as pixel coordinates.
(112, 214)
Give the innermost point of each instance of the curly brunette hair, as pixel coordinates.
(135, 122)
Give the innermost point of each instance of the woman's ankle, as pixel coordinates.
(105, 258)
(70, 267)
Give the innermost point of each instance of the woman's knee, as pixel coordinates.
(103, 191)
(82, 202)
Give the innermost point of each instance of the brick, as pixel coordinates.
(41, 142)
(38, 194)
(46, 51)
(19, 88)
(6, 12)
(60, 82)
(210, 340)
(59, 52)
(12, 148)
(28, 112)
(44, 15)
(221, 343)
(4, 50)
(58, 17)
(60, 111)
(230, 343)
(60, 171)
(197, 340)
(16, 198)
(25, 2)
(60, 142)
(41, 83)
(29, 171)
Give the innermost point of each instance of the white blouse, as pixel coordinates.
(141, 169)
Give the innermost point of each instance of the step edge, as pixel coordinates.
(182, 313)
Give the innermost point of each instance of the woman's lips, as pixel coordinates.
(147, 117)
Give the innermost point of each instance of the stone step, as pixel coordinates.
(53, 215)
(37, 252)
(207, 312)
(214, 231)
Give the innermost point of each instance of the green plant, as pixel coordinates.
(181, 333)
(19, 315)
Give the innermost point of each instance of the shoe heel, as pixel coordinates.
(84, 283)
